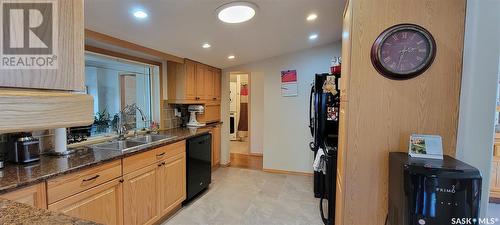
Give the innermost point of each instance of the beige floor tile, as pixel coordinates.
(250, 197)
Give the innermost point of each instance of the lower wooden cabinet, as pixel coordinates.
(495, 178)
(153, 185)
(140, 196)
(216, 139)
(35, 196)
(155, 190)
(102, 204)
(171, 180)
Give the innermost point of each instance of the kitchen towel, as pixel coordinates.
(319, 164)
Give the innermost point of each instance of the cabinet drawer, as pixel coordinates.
(65, 186)
(136, 162)
(170, 150)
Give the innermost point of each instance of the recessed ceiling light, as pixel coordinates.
(140, 14)
(231, 57)
(313, 36)
(206, 45)
(236, 12)
(311, 17)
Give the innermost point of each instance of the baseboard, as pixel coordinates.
(494, 200)
(225, 165)
(287, 172)
(247, 154)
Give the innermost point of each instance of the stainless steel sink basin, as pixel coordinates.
(153, 138)
(133, 143)
(119, 145)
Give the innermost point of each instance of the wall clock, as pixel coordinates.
(403, 51)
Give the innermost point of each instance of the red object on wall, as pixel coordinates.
(244, 90)
(335, 69)
(288, 76)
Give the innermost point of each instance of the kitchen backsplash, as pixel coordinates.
(44, 136)
(171, 121)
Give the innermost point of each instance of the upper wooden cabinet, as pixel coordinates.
(193, 83)
(67, 56)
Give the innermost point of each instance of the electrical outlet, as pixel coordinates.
(177, 112)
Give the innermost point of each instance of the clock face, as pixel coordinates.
(403, 51)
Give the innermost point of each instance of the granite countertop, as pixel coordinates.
(15, 176)
(13, 212)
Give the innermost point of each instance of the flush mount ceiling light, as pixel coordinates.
(140, 14)
(206, 45)
(312, 17)
(231, 57)
(313, 37)
(236, 12)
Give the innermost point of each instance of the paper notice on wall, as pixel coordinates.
(289, 84)
(289, 89)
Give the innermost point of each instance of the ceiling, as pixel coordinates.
(180, 27)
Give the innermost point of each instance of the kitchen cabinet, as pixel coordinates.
(68, 72)
(217, 78)
(193, 83)
(68, 185)
(140, 196)
(216, 145)
(102, 204)
(156, 189)
(171, 181)
(495, 178)
(34, 196)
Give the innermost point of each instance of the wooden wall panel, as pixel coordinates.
(382, 113)
(70, 72)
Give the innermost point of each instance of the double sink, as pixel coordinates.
(134, 143)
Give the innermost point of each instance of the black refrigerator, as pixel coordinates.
(324, 127)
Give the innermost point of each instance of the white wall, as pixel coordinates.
(280, 122)
(479, 86)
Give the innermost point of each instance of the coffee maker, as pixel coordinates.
(432, 191)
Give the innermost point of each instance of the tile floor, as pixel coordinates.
(242, 196)
(493, 210)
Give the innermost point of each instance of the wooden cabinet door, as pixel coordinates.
(101, 204)
(497, 174)
(217, 84)
(35, 196)
(209, 84)
(493, 177)
(200, 82)
(216, 136)
(140, 196)
(190, 80)
(171, 178)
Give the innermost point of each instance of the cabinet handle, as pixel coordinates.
(159, 155)
(163, 163)
(121, 180)
(92, 178)
(159, 165)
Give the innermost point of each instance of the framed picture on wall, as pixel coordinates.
(289, 84)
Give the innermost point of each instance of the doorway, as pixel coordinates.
(239, 123)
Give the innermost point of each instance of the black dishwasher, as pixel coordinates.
(198, 165)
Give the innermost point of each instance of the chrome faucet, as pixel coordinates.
(127, 110)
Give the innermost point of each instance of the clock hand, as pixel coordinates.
(403, 52)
